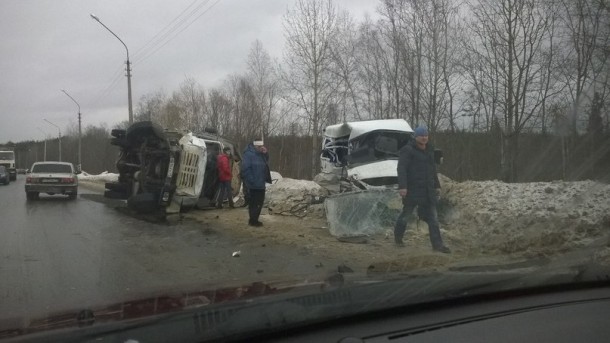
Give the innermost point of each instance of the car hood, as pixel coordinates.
(386, 168)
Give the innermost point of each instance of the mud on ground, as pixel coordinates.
(491, 222)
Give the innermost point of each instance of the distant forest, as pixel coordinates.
(467, 155)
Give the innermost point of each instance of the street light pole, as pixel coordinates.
(59, 130)
(128, 67)
(78, 167)
(46, 136)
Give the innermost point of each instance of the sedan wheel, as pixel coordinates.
(32, 195)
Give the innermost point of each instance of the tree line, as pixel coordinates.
(505, 69)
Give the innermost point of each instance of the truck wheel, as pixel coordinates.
(118, 186)
(119, 133)
(143, 203)
(111, 194)
(119, 141)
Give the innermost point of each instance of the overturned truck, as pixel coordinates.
(359, 167)
(162, 171)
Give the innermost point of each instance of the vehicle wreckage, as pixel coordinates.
(359, 168)
(163, 171)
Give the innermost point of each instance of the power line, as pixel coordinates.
(183, 23)
(156, 36)
(160, 40)
(117, 76)
(182, 30)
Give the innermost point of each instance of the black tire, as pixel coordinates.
(143, 203)
(72, 196)
(115, 195)
(144, 128)
(120, 142)
(32, 195)
(118, 133)
(118, 187)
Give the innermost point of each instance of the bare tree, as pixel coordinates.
(245, 121)
(219, 110)
(309, 29)
(265, 86)
(437, 23)
(513, 31)
(150, 106)
(193, 103)
(393, 12)
(584, 22)
(172, 114)
(372, 73)
(344, 49)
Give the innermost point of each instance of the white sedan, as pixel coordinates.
(51, 178)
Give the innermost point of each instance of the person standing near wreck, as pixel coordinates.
(223, 163)
(256, 174)
(418, 185)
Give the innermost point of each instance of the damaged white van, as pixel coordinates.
(359, 163)
(364, 153)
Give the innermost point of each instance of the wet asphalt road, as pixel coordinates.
(59, 255)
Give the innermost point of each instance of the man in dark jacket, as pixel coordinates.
(419, 187)
(255, 173)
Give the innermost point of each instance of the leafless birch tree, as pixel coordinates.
(309, 29)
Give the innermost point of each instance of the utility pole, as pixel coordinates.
(59, 130)
(128, 67)
(46, 136)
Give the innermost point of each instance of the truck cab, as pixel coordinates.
(365, 152)
(7, 159)
(163, 171)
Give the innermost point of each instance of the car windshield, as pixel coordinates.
(51, 168)
(2, 169)
(269, 164)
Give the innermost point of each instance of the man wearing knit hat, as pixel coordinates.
(418, 185)
(256, 174)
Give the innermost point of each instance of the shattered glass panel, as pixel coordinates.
(362, 212)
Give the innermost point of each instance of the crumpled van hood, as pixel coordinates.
(386, 168)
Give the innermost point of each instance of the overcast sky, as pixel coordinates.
(50, 45)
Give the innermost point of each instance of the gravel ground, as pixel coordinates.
(482, 222)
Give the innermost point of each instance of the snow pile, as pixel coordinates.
(275, 177)
(296, 197)
(103, 177)
(535, 218)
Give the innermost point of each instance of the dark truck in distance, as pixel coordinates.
(7, 159)
(163, 171)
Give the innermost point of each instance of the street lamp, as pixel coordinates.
(78, 167)
(46, 136)
(128, 67)
(59, 130)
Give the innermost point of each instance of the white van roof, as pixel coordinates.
(358, 128)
